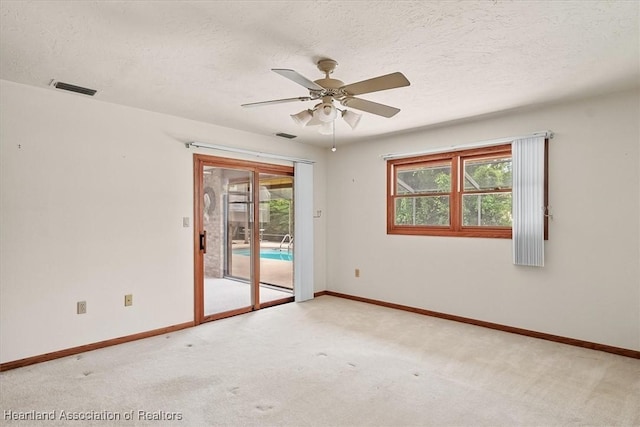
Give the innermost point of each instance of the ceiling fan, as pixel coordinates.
(328, 89)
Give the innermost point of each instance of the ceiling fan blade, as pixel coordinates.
(389, 81)
(370, 107)
(298, 78)
(277, 101)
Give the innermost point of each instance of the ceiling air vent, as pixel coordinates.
(286, 135)
(73, 88)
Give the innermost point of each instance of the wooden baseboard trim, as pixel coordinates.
(94, 346)
(115, 341)
(541, 335)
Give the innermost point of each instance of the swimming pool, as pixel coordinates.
(268, 254)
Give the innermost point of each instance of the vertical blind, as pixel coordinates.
(528, 156)
(303, 232)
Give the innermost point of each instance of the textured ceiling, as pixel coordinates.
(202, 59)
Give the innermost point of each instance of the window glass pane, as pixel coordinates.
(423, 179)
(482, 209)
(433, 210)
(487, 174)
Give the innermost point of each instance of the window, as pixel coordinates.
(461, 193)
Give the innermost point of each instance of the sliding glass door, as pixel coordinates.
(241, 266)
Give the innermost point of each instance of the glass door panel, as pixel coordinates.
(276, 237)
(228, 223)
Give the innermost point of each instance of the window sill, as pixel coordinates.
(493, 233)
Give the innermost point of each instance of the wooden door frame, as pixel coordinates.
(256, 168)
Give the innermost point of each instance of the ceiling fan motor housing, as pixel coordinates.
(332, 88)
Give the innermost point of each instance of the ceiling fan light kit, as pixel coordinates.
(326, 128)
(328, 89)
(325, 113)
(303, 117)
(351, 118)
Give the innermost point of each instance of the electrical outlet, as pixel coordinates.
(82, 307)
(357, 272)
(128, 300)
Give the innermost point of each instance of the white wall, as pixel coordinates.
(589, 288)
(91, 208)
(92, 198)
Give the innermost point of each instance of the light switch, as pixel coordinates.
(185, 221)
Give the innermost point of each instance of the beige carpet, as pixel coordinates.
(330, 362)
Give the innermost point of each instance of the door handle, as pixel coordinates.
(203, 241)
